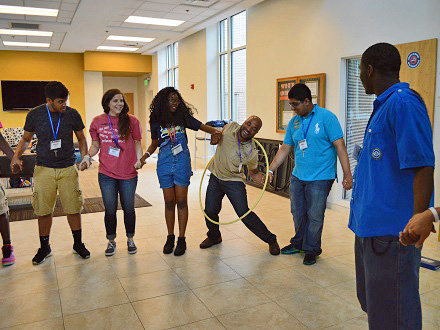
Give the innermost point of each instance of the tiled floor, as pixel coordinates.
(234, 285)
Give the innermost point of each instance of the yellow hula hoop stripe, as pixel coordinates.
(256, 203)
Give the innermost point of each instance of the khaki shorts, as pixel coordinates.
(3, 200)
(47, 181)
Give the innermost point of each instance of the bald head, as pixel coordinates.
(250, 128)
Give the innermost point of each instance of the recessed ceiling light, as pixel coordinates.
(26, 44)
(124, 49)
(19, 10)
(122, 38)
(153, 21)
(26, 33)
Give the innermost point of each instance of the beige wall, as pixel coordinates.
(93, 91)
(192, 70)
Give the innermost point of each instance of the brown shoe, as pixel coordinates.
(207, 243)
(274, 248)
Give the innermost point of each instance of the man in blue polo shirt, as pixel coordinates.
(316, 136)
(393, 180)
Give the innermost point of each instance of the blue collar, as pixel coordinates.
(385, 95)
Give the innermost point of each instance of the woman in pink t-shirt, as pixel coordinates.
(117, 136)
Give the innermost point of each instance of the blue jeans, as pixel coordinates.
(308, 200)
(236, 192)
(387, 282)
(110, 187)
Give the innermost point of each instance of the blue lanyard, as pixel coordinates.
(115, 138)
(239, 151)
(306, 131)
(55, 134)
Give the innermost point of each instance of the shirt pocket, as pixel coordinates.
(375, 141)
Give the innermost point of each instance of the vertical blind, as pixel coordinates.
(359, 109)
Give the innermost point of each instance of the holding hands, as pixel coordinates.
(418, 229)
(85, 163)
(216, 137)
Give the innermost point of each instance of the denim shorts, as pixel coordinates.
(174, 170)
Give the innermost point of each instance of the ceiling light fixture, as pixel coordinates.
(153, 21)
(26, 33)
(19, 10)
(124, 49)
(123, 38)
(26, 44)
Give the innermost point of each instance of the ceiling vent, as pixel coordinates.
(199, 3)
(26, 26)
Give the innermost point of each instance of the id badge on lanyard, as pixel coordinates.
(303, 143)
(55, 144)
(113, 151)
(176, 149)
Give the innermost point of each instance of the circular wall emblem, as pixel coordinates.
(413, 60)
(376, 154)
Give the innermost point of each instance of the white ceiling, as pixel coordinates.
(83, 25)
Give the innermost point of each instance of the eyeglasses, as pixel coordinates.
(295, 105)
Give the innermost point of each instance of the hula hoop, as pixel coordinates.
(255, 204)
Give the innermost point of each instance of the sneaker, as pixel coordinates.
(8, 255)
(80, 249)
(111, 249)
(290, 249)
(180, 247)
(274, 248)
(207, 243)
(309, 259)
(169, 245)
(132, 249)
(41, 255)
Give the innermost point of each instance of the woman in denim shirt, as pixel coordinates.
(169, 117)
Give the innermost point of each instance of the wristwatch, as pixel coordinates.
(434, 213)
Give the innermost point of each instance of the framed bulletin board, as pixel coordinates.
(316, 83)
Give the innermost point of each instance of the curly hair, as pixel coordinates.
(124, 128)
(160, 112)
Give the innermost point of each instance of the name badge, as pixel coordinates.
(356, 151)
(240, 167)
(55, 144)
(177, 149)
(112, 151)
(302, 144)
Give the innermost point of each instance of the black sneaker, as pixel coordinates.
(180, 247)
(41, 255)
(111, 249)
(80, 249)
(169, 245)
(309, 259)
(132, 249)
(290, 249)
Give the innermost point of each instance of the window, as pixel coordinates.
(232, 59)
(359, 109)
(172, 65)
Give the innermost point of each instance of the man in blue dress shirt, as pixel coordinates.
(392, 181)
(317, 138)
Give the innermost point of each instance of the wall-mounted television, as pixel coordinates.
(22, 95)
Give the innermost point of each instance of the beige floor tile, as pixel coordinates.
(430, 317)
(23, 264)
(428, 282)
(85, 274)
(110, 318)
(432, 298)
(199, 275)
(319, 308)
(138, 264)
(193, 255)
(50, 324)
(256, 263)
(17, 285)
(346, 290)
(171, 310)
(267, 316)
(327, 272)
(211, 324)
(68, 258)
(152, 285)
(359, 323)
(84, 298)
(230, 296)
(282, 283)
(29, 308)
(232, 248)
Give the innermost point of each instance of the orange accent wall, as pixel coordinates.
(115, 63)
(22, 65)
